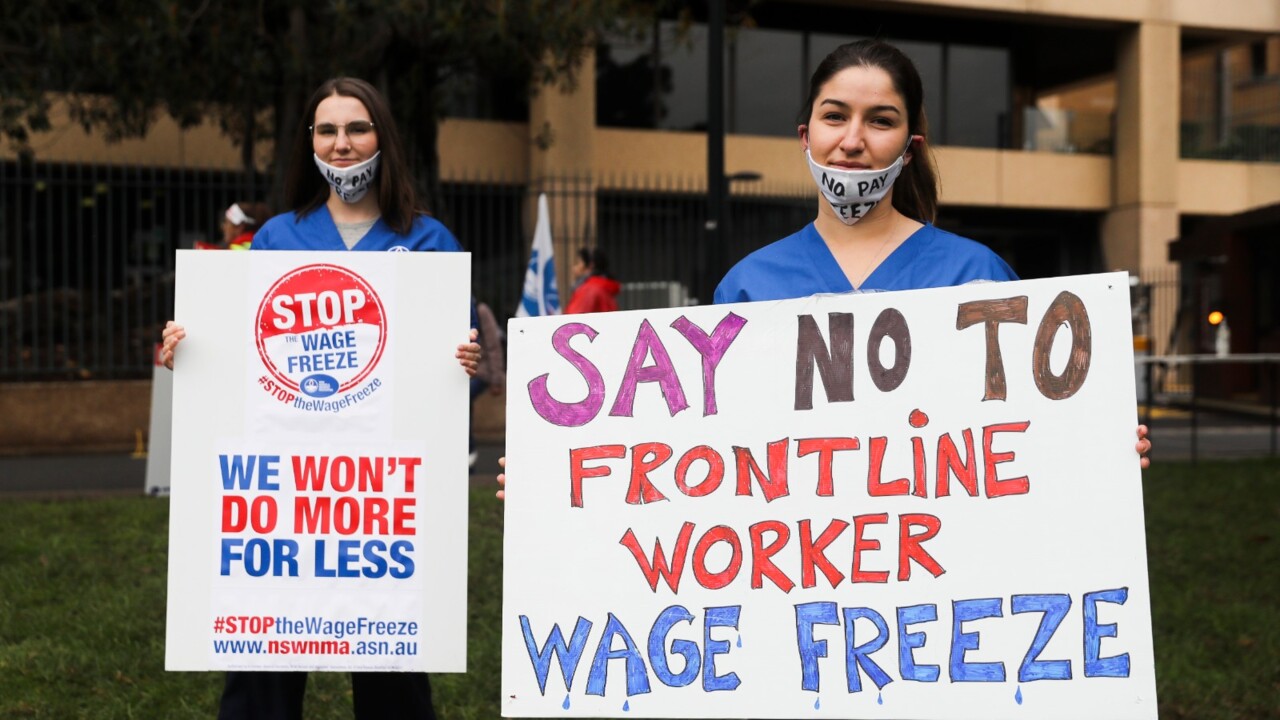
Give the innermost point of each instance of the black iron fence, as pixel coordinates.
(87, 251)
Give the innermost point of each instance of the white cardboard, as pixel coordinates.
(1075, 536)
(403, 405)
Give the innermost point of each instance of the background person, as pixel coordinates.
(596, 289)
(240, 221)
(349, 189)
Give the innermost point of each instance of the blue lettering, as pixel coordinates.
(961, 642)
(637, 673)
(568, 654)
(808, 615)
(718, 617)
(859, 655)
(399, 553)
(657, 649)
(237, 471)
(1055, 608)
(1095, 666)
(908, 642)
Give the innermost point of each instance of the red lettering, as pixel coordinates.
(826, 449)
(909, 545)
(577, 473)
(403, 514)
(644, 458)
(995, 487)
(659, 567)
(949, 462)
(715, 471)
(917, 456)
(774, 485)
(706, 578)
(859, 544)
(761, 564)
(875, 486)
(239, 514)
(813, 554)
(410, 464)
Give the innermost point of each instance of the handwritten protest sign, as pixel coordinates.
(319, 485)
(894, 505)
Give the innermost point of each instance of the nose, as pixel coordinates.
(853, 142)
(342, 141)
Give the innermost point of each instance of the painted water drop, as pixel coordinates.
(565, 704)
(1018, 695)
(626, 706)
(817, 704)
(739, 641)
(879, 699)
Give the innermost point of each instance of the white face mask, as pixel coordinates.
(350, 183)
(852, 193)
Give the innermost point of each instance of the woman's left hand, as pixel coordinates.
(1143, 447)
(469, 354)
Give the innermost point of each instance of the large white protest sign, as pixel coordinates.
(159, 438)
(319, 477)
(896, 505)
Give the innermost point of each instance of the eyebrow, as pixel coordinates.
(875, 109)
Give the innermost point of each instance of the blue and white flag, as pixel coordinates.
(541, 295)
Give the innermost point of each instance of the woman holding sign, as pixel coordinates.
(863, 131)
(349, 189)
(864, 135)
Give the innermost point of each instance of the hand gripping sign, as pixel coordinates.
(895, 505)
(318, 474)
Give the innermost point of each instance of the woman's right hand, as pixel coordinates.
(502, 478)
(172, 335)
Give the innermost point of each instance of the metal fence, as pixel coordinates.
(87, 251)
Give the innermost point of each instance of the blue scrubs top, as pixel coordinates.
(316, 231)
(801, 265)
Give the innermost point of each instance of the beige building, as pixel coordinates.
(1071, 135)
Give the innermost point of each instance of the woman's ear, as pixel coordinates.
(802, 131)
(912, 142)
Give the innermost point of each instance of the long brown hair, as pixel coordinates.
(305, 190)
(915, 194)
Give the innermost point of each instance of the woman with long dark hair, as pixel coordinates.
(348, 188)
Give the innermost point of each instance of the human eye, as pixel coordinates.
(359, 127)
(326, 130)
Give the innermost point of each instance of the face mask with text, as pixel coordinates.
(350, 183)
(852, 193)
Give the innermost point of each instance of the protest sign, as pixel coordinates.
(159, 438)
(922, 504)
(319, 478)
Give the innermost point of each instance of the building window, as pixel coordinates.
(646, 83)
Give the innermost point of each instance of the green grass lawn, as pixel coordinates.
(82, 604)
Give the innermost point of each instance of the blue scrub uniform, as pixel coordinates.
(801, 265)
(266, 695)
(316, 231)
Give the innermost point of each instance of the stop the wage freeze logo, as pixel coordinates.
(320, 331)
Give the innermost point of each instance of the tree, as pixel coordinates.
(118, 63)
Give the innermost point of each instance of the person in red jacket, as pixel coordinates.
(597, 291)
(240, 222)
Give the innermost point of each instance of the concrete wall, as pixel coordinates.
(106, 416)
(98, 416)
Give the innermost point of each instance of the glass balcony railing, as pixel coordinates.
(1066, 131)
